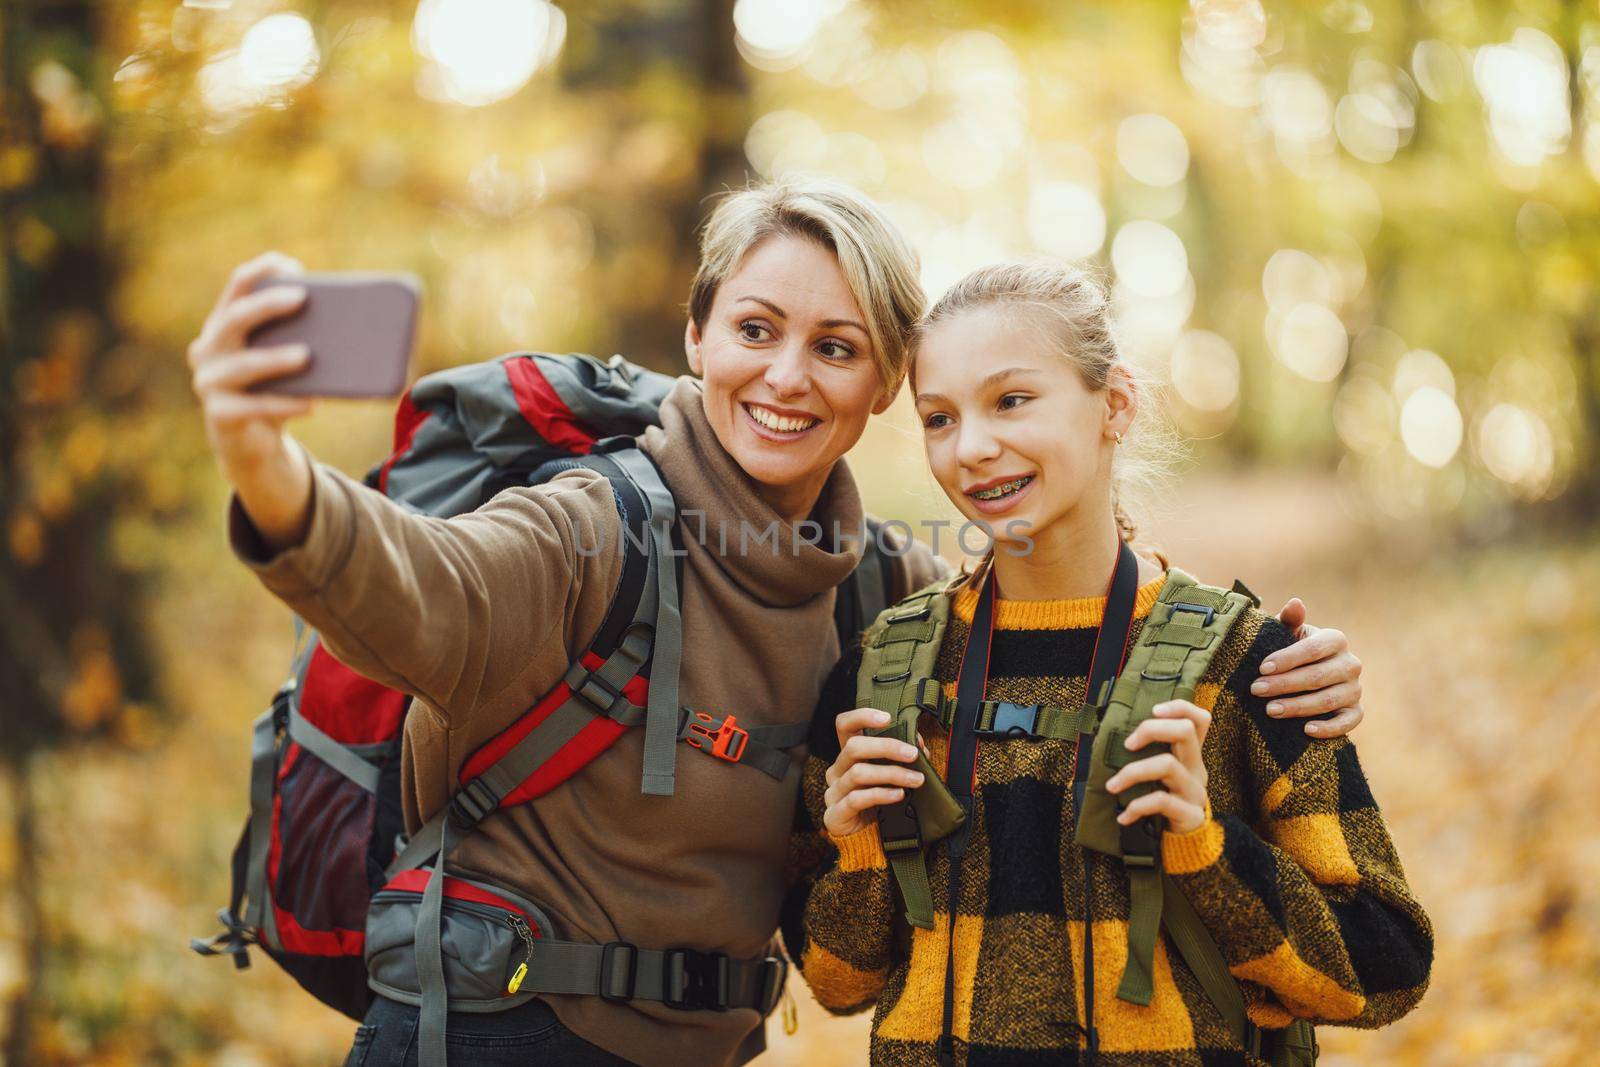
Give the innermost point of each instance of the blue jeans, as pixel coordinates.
(526, 1036)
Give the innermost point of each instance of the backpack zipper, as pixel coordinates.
(520, 925)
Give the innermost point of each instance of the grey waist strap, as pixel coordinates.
(680, 978)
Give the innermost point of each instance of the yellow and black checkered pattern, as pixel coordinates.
(1294, 875)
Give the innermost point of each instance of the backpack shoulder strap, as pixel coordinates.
(897, 676)
(900, 646)
(654, 634)
(1186, 627)
(666, 657)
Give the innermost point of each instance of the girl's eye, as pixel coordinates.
(936, 421)
(835, 350)
(751, 330)
(1006, 402)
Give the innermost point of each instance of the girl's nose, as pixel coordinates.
(975, 445)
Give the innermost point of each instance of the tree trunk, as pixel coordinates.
(696, 40)
(72, 646)
(21, 1011)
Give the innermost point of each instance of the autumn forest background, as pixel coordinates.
(1360, 239)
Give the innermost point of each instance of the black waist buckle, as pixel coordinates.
(696, 981)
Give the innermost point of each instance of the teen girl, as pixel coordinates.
(797, 331)
(1029, 414)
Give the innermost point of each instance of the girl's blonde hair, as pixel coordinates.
(877, 261)
(1074, 311)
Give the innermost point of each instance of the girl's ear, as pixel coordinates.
(1122, 402)
(691, 348)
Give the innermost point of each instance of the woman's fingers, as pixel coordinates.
(1317, 644)
(1342, 667)
(1318, 702)
(238, 373)
(1182, 815)
(248, 273)
(227, 332)
(1339, 725)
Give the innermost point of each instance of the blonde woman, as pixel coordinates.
(797, 334)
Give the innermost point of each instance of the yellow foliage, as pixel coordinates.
(26, 539)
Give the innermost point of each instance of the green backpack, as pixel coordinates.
(1187, 625)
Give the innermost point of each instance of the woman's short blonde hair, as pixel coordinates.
(878, 263)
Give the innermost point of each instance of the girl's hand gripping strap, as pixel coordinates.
(897, 677)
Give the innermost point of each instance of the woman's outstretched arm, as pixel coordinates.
(436, 608)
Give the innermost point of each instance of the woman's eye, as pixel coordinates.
(835, 350)
(936, 421)
(754, 331)
(1011, 400)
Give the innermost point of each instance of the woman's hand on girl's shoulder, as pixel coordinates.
(857, 782)
(1316, 675)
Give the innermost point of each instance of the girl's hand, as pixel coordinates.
(1183, 726)
(244, 428)
(857, 784)
(1315, 675)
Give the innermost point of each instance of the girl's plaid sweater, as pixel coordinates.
(1293, 873)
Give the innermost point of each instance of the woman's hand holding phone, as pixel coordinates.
(270, 472)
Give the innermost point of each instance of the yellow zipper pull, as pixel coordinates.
(791, 1013)
(521, 927)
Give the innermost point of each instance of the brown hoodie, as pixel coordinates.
(480, 615)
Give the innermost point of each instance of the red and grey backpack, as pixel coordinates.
(323, 872)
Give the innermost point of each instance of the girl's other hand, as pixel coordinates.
(1183, 800)
(857, 783)
(1316, 675)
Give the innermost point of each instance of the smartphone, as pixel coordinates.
(360, 327)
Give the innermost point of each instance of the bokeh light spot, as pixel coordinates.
(1152, 149)
(1205, 371)
(483, 51)
(1430, 426)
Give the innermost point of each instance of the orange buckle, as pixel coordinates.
(727, 740)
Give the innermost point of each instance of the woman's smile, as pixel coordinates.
(779, 425)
